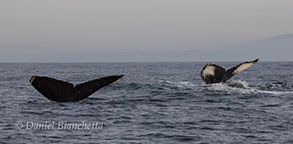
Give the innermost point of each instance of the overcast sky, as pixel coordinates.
(32, 27)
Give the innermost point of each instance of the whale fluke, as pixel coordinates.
(61, 91)
(213, 73)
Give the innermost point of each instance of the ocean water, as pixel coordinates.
(152, 103)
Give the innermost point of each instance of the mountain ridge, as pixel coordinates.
(276, 48)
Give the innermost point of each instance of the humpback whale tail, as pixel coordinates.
(213, 73)
(61, 91)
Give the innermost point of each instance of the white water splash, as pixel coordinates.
(238, 83)
(239, 86)
(180, 84)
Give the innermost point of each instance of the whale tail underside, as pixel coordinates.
(61, 91)
(237, 69)
(88, 88)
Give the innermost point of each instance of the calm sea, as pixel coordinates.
(152, 103)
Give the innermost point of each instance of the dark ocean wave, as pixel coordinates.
(152, 103)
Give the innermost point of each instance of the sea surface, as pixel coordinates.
(153, 103)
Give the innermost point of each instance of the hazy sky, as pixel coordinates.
(31, 27)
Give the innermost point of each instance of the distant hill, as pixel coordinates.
(277, 48)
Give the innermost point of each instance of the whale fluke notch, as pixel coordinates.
(61, 91)
(213, 73)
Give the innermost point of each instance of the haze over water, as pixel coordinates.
(143, 31)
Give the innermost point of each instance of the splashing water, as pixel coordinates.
(239, 86)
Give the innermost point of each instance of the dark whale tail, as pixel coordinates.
(61, 91)
(213, 73)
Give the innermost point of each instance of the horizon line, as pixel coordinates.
(11, 62)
